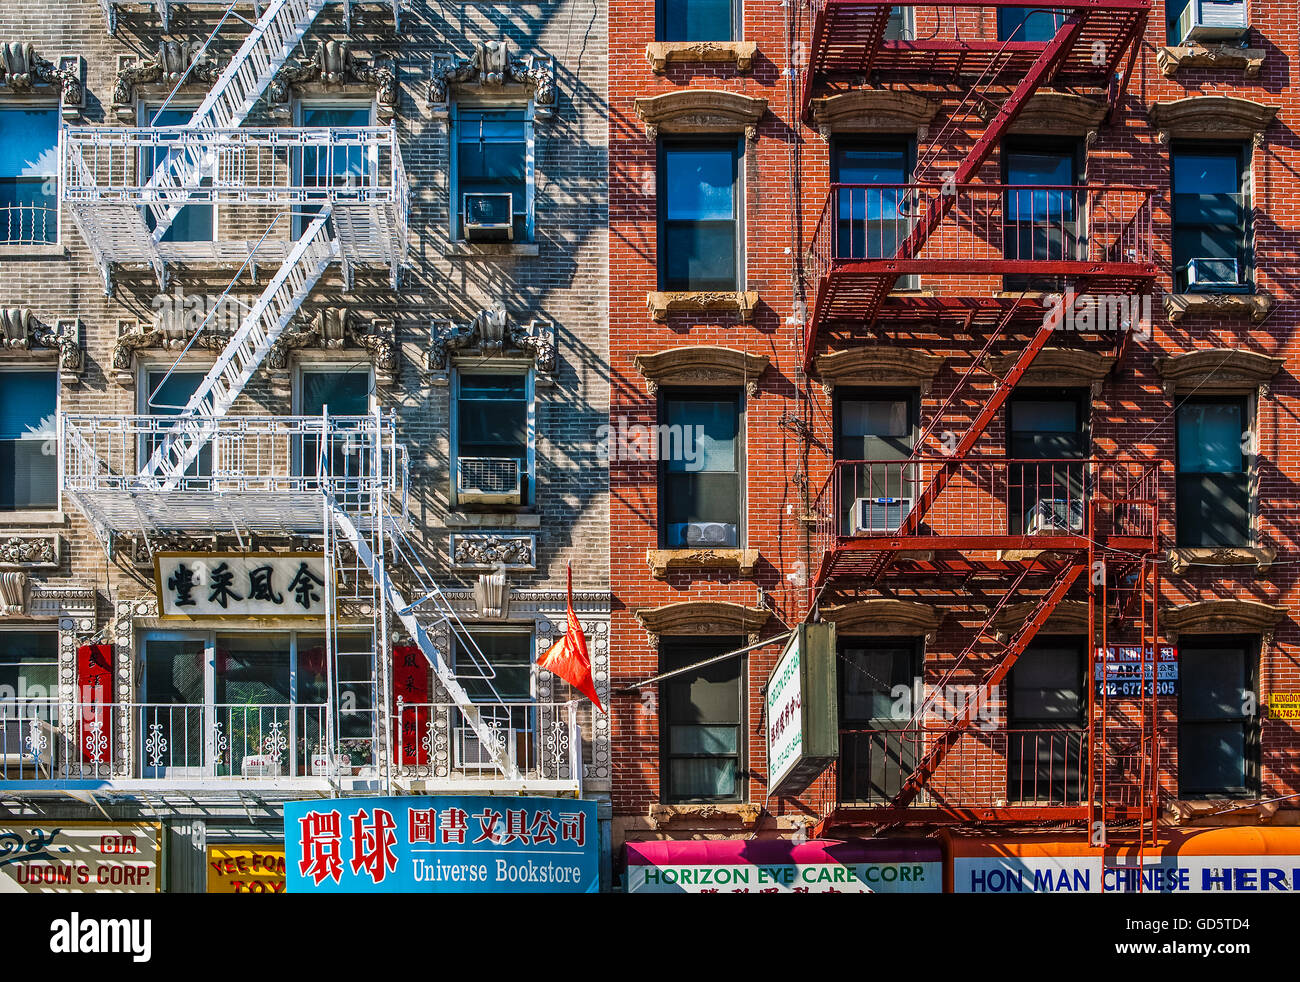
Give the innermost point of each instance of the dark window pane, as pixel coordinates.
(869, 677)
(1028, 24)
(701, 713)
(495, 664)
(701, 476)
(28, 440)
(168, 395)
(696, 20)
(492, 158)
(1209, 213)
(1213, 507)
(1046, 686)
(699, 217)
(1212, 758)
(345, 393)
(1220, 683)
(29, 200)
(29, 662)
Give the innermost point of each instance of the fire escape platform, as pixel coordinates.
(848, 43)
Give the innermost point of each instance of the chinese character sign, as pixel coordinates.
(241, 585)
(445, 844)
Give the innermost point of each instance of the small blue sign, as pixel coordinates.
(441, 844)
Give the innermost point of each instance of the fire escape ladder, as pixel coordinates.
(946, 739)
(490, 738)
(264, 52)
(261, 327)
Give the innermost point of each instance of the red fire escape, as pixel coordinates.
(968, 525)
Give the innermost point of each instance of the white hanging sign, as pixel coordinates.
(232, 584)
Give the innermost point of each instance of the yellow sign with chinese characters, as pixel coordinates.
(1284, 705)
(245, 869)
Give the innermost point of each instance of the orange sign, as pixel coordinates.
(245, 869)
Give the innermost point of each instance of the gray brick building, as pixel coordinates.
(410, 437)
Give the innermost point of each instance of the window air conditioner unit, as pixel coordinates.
(872, 516)
(471, 754)
(1212, 272)
(488, 217)
(692, 534)
(260, 765)
(489, 481)
(1213, 20)
(1055, 515)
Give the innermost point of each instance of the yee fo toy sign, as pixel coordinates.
(234, 584)
(441, 844)
(802, 714)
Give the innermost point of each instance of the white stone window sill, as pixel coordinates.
(51, 251)
(32, 518)
(492, 250)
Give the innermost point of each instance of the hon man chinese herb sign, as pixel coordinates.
(230, 584)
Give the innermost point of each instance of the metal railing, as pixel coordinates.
(269, 165)
(1013, 226)
(29, 224)
(985, 768)
(986, 497)
(434, 741)
(171, 742)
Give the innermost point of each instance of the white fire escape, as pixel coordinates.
(207, 471)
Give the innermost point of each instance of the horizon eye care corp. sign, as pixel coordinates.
(442, 844)
(802, 716)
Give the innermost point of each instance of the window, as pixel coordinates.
(492, 438)
(699, 215)
(701, 730)
(29, 162)
(254, 704)
(338, 167)
(696, 20)
(493, 158)
(29, 459)
(877, 748)
(167, 395)
(1032, 24)
(1051, 426)
(700, 449)
(29, 664)
(1041, 225)
(1047, 706)
(193, 223)
(1210, 219)
(872, 222)
(1218, 722)
(343, 393)
(1213, 507)
(879, 426)
(496, 669)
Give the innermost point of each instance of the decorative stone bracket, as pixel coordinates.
(665, 561)
(484, 550)
(1218, 370)
(492, 596)
(492, 66)
(334, 64)
(1253, 305)
(333, 328)
(493, 330)
(162, 334)
(873, 111)
(702, 618)
(1236, 616)
(1054, 113)
(22, 331)
(1187, 558)
(1218, 117)
(13, 593)
(878, 365)
(21, 68)
(744, 816)
(1069, 617)
(167, 66)
(701, 365)
(1170, 59)
(29, 551)
(883, 617)
(661, 54)
(701, 111)
(700, 302)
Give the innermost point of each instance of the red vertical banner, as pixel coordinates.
(411, 685)
(94, 716)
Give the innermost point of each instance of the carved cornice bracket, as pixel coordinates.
(701, 365)
(20, 330)
(166, 66)
(1059, 366)
(662, 304)
(1218, 370)
(492, 66)
(884, 617)
(494, 331)
(333, 64)
(333, 328)
(1218, 117)
(701, 618)
(878, 365)
(661, 54)
(1170, 59)
(873, 111)
(1253, 305)
(21, 68)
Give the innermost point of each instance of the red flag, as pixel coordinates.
(568, 658)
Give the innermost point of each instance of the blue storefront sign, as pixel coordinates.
(441, 844)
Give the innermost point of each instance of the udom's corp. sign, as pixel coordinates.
(232, 584)
(802, 712)
(79, 857)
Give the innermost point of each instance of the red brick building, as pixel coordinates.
(1002, 362)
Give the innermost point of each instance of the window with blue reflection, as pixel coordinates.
(29, 167)
(696, 20)
(29, 459)
(699, 214)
